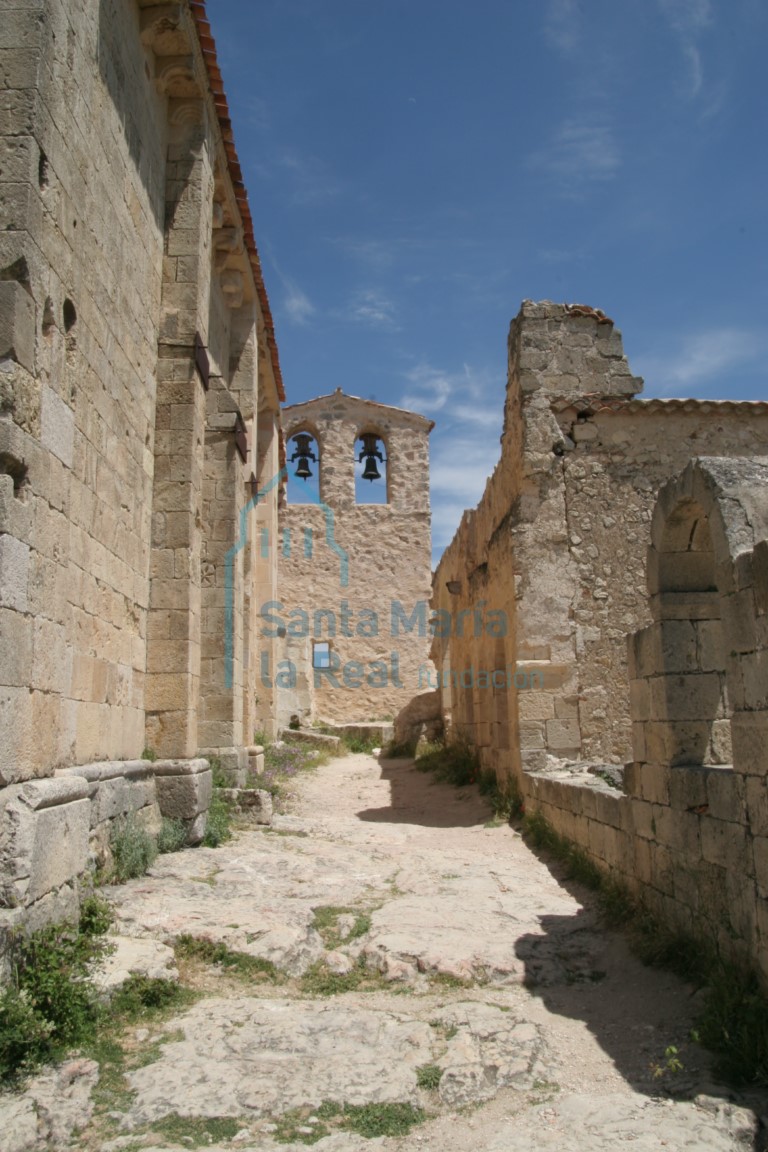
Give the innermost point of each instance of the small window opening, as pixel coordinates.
(321, 654)
(70, 315)
(42, 171)
(370, 470)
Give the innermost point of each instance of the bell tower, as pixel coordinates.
(349, 634)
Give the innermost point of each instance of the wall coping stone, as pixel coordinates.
(109, 769)
(180, 767)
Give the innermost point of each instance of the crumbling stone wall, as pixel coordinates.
(137, 358)
(367, 567)
(558, 541)
(690, 832)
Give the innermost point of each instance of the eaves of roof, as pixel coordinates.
(208, 48)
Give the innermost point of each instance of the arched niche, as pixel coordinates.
(372, 467)
(303, 463)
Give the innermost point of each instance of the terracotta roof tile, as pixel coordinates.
(208, 48)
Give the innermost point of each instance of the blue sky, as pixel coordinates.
(416, 168)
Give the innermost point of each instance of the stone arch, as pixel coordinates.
(691, 667)
(309, 491)
(381, 489)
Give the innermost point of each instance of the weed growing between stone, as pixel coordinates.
(196, 1132)
(307, 1126)
(134, 851)
(733, 1022)
(238, 963)
(218, 826)
(358, 744)
(326, 923)
(172, 836)
(319, 980)
(51, 1005)
(454, 763)
(282, 764)
(428, 1076)
(505, 797)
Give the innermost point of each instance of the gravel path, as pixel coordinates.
(423, 958)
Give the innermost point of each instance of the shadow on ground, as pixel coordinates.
(636, 1013)
(417, 798)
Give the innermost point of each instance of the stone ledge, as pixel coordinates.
(180, 767)
(47, 793)
(109, 770)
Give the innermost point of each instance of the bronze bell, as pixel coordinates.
(371, 453)
(303, 453)
(371, 472)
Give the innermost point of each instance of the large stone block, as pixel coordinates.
(44, 830)
(14, 573)
(57, 426)
(17, 324)
(749, 733)
(184, 788)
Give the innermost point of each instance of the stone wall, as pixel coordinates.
(603, 520)
(366, 566)
(137, 361)
(558, 541)
(691, 833)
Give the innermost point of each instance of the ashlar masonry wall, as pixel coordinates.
(136, 359)
(365, 568)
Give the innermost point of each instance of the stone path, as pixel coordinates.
(420, 958)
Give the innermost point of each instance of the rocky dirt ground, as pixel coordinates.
(410, 961)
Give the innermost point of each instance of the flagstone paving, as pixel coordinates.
(408, 953)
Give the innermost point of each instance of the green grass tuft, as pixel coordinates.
(454, 763)
(197, 1132)
(325, 922)
(428, 1076)
(217, 828)
(239, 963)
(134, 851)
(172, 836)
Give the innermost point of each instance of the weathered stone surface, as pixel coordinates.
(184, 797)
(55, 1106)
(44, 828)
(263, 1057)
(133, 956)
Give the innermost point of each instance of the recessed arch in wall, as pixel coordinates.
(372, 471)
(303, 463)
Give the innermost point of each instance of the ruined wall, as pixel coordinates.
(691, 833)
(367, 566)
(564, 521)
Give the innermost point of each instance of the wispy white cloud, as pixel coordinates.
(309, 176)
(372, 308)
(581, 151)
(295, 302)
(298, 305)
(561, 25)
(467, 405)
(700, 358)
(372, 253)
(689, 18)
